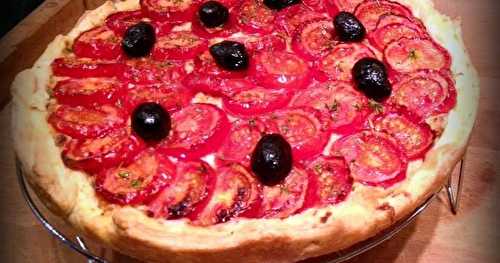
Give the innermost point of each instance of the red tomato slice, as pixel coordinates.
(343, 107)
(172, 97)
(335, 6)
(316, 5)
(373, 158)
(93, 155)
(314, 39)
(302, 129)
(338, 63)
(274, 42)
(255, 18)
(191, 188)
(82, 122)
(285, 199)
(289, 19)
(179, 45)
(236, 194)
(388, 19)
(381, 37)
(197, 130)
(121, 21)
(137, 182)
(239, 145)
(370, 11)
(438, 96)
(88, 92)
(280, 69)
(99, 43)
(411, 134)
(215, 86)
(172, 10)
(85, 68)
(329, 182)
(409, 55)
(256, 101)
(146, 72)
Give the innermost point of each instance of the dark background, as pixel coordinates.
(12, 11)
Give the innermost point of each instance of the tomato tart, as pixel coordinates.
(244, 130)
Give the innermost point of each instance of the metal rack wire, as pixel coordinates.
(78, 244)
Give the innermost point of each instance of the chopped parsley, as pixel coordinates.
(376, 107)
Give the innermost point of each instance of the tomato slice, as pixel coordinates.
(274, 42)
(179, 45)
(191, 187)
(314, 39)
(411, 134)
(236, 194)
(94, 154)
(85, 68)
(197, 130)
(316, 5)
(285, 199)
(408, 55)
(329, 183)
(256, 101)
(255, 18)
(82, 122)
(88, 92)
(338, 63)
(389, 19)
(136, 182)
(280, 69)
(381, 37)
(171, 97)
(290, 18)
(302, 129)
(438, 96)
(172, 11)
(119, 22)
(342, 107)
(370, 11)
(218, 87)
(100, 43)
(146, 72)
(335, 6)
(373, 158)
(239, 145)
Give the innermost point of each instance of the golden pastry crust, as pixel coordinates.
(314, 232)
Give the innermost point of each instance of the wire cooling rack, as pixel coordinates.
(77, 243)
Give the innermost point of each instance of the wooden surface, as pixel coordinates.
(436, 236)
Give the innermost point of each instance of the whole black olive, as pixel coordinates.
(348, 27)
(230, 55)
(213, 14)
(280, 4)
(151, 122)
(138, 40)
(272, 159)
(370, 76)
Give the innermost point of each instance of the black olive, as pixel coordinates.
(230, 55)
(213, 14)
(370, 76)
(280, 4)
(272, 159)
(138, 40)
(348, 27)
(151, 122)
